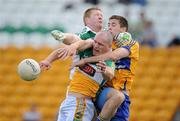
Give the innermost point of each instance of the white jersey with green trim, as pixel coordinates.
(87, 33)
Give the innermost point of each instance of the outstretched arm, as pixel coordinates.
(113, 55)
(70, 50)
(75, 43)
(66, 38)
(46, 63)
(65, 51)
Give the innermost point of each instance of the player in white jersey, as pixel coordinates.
(78, 105)
(93, 21)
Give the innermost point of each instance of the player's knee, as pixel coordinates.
(118, 97)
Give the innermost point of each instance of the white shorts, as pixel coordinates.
(76, 109)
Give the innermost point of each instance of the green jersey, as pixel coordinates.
(87, 33)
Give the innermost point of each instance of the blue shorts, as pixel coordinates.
(122, 113)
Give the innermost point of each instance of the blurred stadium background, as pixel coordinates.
(25, 27)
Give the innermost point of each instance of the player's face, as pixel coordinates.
(100, 46)
(114, 27)
(96, 18)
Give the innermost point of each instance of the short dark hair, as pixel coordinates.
(122, 21)
(87, 13)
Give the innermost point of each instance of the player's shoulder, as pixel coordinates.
(87, 33)
(135, 44)
(131, 44)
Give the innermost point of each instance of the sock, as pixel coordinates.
(100, 118)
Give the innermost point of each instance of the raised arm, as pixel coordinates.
(66, 38)
(75, 42)
(46, 63)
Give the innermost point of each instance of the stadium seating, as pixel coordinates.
(155, 92)
(25, 33)
(20, 18)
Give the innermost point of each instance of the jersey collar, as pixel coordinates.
(87, 29)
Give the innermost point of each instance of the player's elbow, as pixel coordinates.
(111, 76)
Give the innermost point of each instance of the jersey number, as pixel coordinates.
(88, 70)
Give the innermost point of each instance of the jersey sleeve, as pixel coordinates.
(88, 52)
(127, 47)
(87, 35)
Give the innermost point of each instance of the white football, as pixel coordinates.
(28, 69)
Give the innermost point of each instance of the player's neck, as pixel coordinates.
(95, 29)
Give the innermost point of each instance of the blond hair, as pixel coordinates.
(87, 13)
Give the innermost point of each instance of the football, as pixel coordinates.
(28, 69)
(122, 38)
